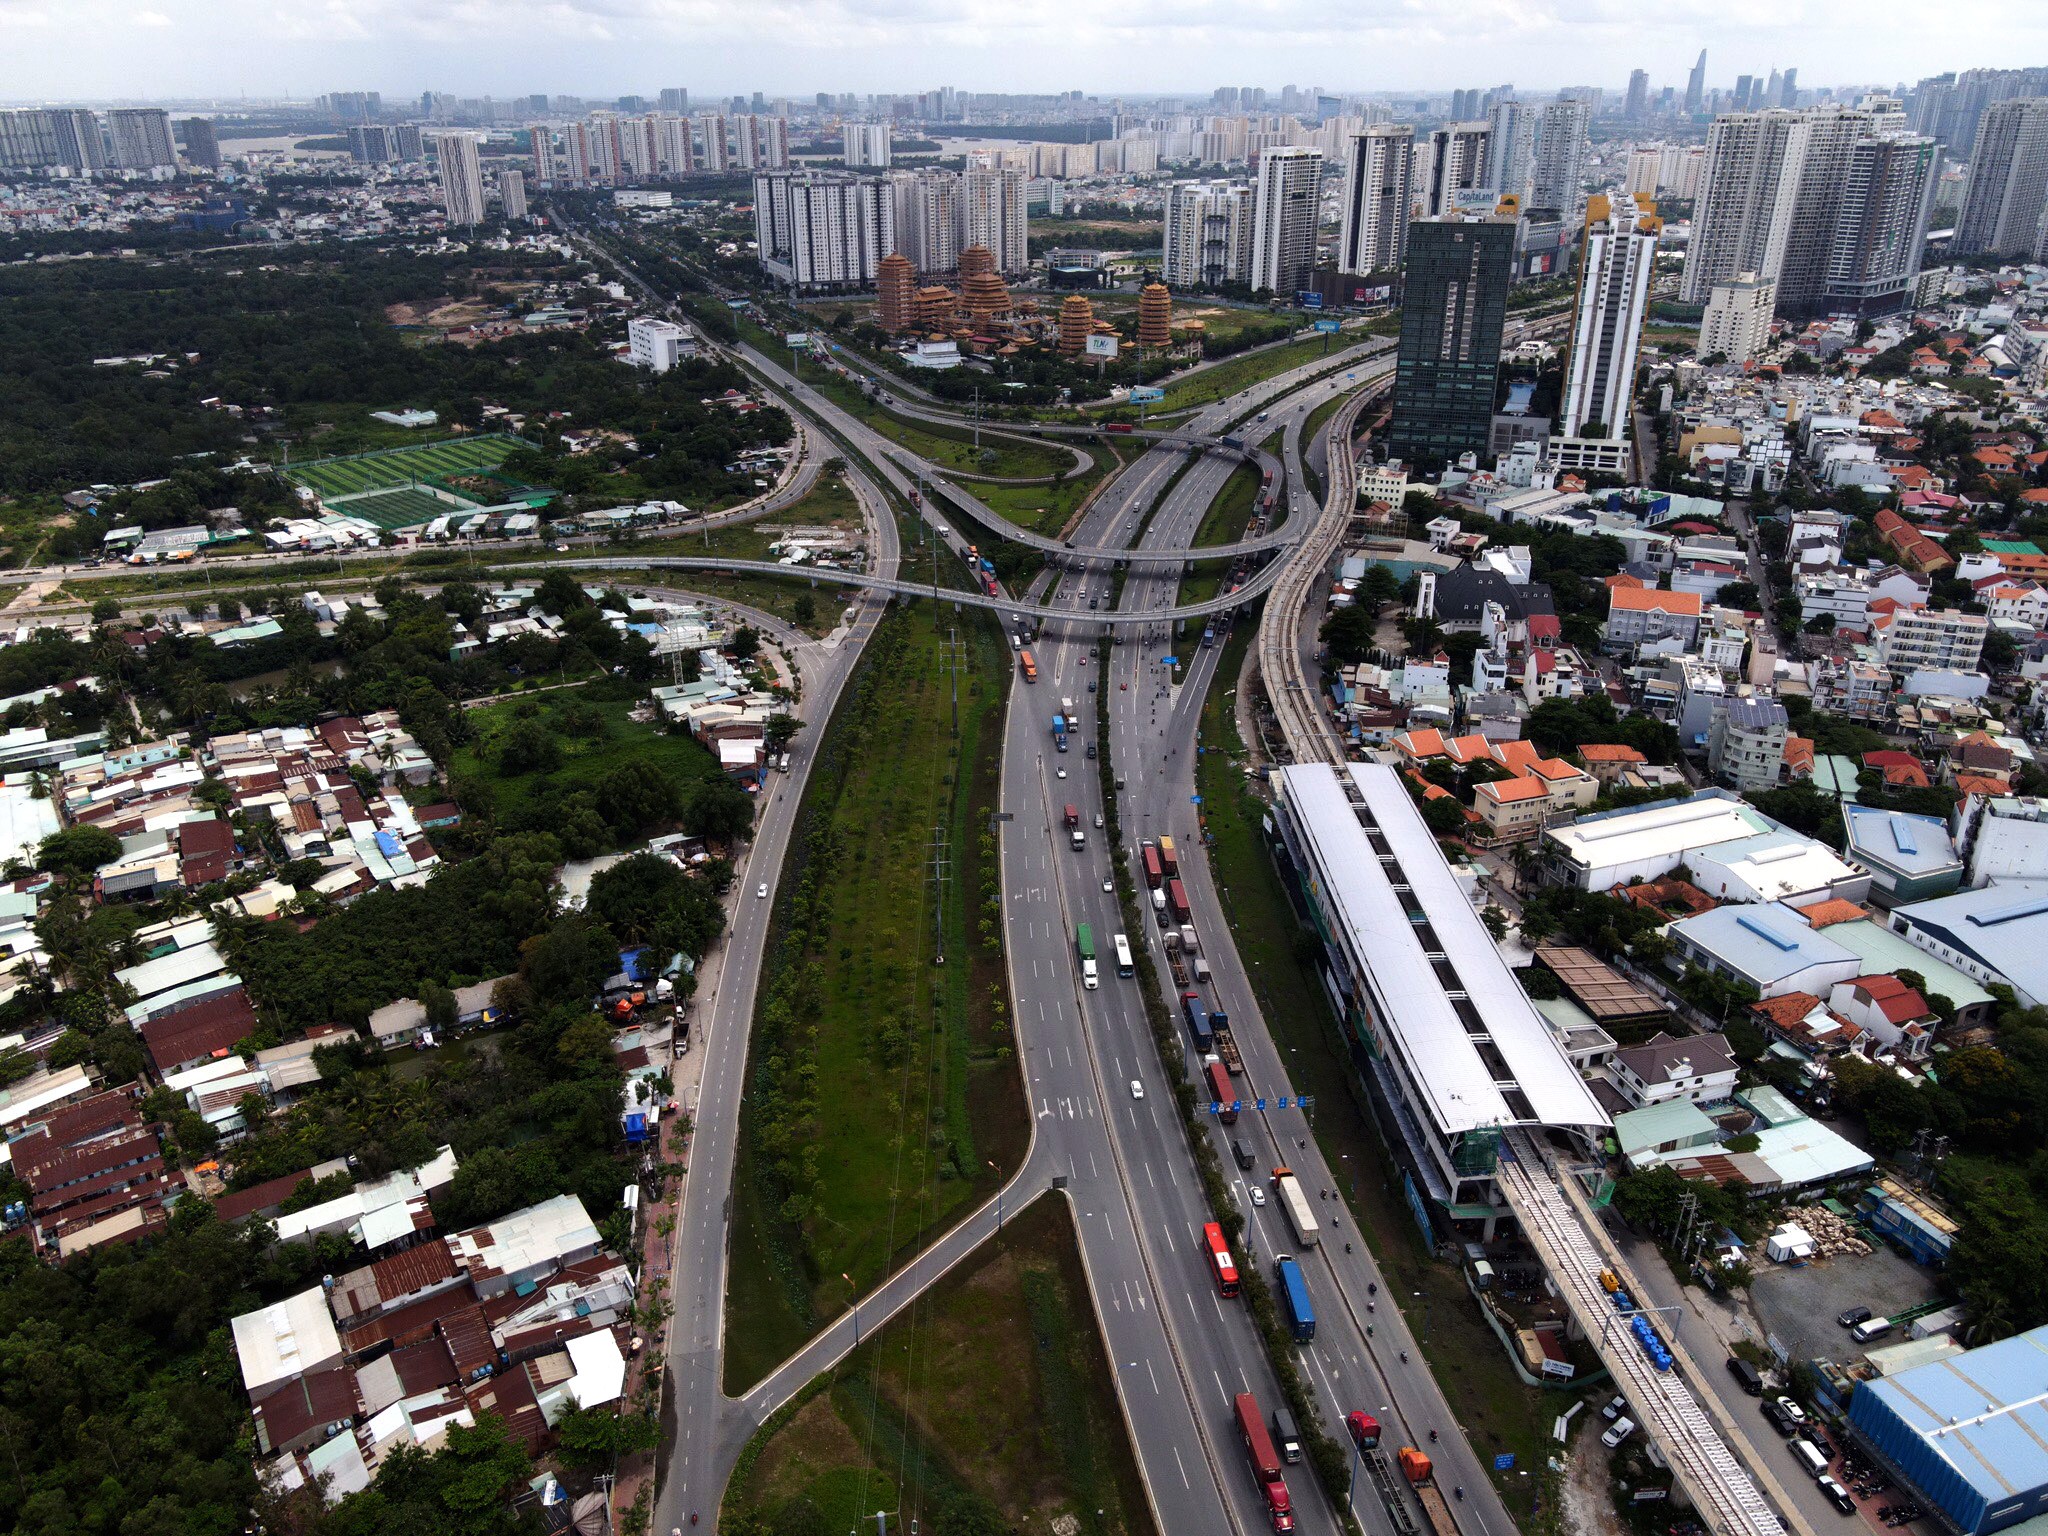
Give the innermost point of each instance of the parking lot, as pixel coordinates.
(1798, 1305)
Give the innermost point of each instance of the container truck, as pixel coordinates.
(1177, 899)
(1264, 1462)
(1073, 817)
(1293, 1288)
(1198, 1021)
(1029, 664)
(1059, 732)
(1168, 859)
(1155, 872)
(1084, 946)
(1219, 1085)
(1294, 1201)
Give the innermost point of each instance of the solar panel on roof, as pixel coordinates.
(1776, 940)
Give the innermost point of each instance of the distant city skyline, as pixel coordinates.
(227, 49)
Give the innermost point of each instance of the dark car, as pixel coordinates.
(1853, 1316)
(1781, 1421)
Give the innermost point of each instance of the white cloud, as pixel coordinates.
(150, 19)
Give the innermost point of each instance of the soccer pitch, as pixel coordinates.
(396, 468)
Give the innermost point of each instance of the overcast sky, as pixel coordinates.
(99, 49)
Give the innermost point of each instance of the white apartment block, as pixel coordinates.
(995, 216)
(462, 178)
(1208, 234)
(1737, 324)
(928, 219)
(867, 146)
(1607, 332)
(818, 232)
(1285, 211)
(1931, 640)
(1458, 161)
(1378, 195)
(512, 193)
(1557, 172)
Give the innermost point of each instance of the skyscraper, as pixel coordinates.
(64, 137)
(1823, 204)
(1696, 86)
(410, 143)
(995, 215)
(928, 218)
(761, 143)
(1788, 89)
(1557, 178)
(1744, 84)
(717, 158)
(1458, 167)
(1378, 172)
(1511, 129)
(371, 144)
(1636, 107)
(1880, 223)
(1208, 234)
(675, 99)
(677, 153)
(462, 178)
(201, 146)
(867, 145)
(142, 138)
(1454, 304)
(2008, 180)
(512, 193)
(1285, 205)
(1607, 325)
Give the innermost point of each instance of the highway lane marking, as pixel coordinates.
(1178, 1462)
(1155, 1392)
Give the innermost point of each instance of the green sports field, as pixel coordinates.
(403, 507)
(399, 467)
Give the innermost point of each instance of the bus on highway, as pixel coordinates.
(1220, 1261)
(1124, 966)
(1294, 1200)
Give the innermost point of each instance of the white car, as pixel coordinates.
(1137, 1089)
(1109, 885)
(1258, 1197)
(1062, 773)
(761, 890)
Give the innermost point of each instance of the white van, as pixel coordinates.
(1810, 1457)
(1871, 1329)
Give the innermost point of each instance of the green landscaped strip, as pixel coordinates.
(908, 1089)
(996, 1388)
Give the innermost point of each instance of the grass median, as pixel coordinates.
(882, 1096)
(991, 1399)
(1495, 1410)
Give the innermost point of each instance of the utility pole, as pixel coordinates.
(941, 873)
(953, 659)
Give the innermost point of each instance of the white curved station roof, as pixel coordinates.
(1504, 1069)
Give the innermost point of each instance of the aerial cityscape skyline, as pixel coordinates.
(176, 49)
